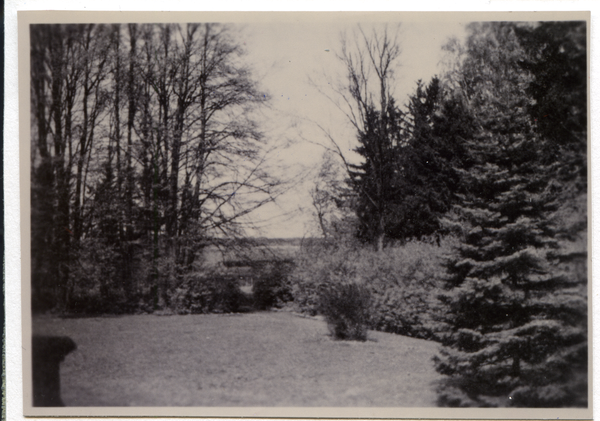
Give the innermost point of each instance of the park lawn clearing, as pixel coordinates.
(256, 359)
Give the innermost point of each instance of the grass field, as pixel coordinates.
(256, 359)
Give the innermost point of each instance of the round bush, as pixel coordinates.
(346, 310)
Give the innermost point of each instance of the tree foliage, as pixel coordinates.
(330, 196)
(376, 180)
(428, 161)
(144, 141)
(517, 332)
(407, 176)
(373, 114)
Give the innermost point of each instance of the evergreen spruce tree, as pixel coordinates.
(428, 161)
(409, 175)
(516, 321)
(376, 181)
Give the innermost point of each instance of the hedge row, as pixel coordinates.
(403, 283)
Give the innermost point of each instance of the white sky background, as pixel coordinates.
(286, 57)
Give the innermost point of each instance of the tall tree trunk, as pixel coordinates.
(77, 217)
(131, 111)
(117, 129)
(62, 227)
(43, 178)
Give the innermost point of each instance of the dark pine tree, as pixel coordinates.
(427, 164)
(377, 181)
(557, 58)
(516, 320)
(409, 176)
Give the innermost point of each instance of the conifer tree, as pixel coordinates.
(427, 162)
(377, 181)
(409, 176)
(516, 321)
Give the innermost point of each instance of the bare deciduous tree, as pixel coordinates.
(370, 60)
(144, 135)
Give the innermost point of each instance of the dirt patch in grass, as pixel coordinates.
(258, 359)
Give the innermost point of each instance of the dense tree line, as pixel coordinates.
(493, 152)
(144, 148)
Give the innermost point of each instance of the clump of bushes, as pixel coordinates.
(209, 293)
(99, 283)
(319, 266)
(271, 287)
(403, 282)
(346, 310)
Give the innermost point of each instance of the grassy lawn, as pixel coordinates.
(257, 359)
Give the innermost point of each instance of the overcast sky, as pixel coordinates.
(286, 57)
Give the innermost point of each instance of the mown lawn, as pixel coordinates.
(257, 359)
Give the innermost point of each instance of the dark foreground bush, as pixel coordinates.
(346, 310)
(271, 285)
(47, 352)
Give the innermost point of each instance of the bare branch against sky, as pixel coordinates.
(300, 66)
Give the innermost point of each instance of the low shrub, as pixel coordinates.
(271, 285)
(346, 310)
(209, 293)
(403, 282)
(98, 281)
(318, 267)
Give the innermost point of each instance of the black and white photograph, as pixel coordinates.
(363, 214)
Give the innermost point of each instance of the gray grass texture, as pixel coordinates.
(258, 359)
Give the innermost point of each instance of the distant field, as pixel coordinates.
(257, 359)
(255, 249)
